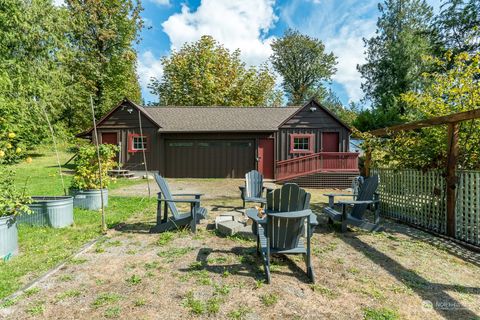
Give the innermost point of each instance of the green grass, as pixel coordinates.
(43, 248)
(239, 314)
(106, 298)
(269, 299)
(380, 314)
(41, 176)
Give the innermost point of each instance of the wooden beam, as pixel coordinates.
(451, 118)
(452, 177)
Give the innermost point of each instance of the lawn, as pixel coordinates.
(400, 273)
(43, 248)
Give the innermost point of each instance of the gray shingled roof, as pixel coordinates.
(204, 119)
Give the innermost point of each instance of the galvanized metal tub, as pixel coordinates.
(89, 199)
(56, 212)
(8, 236)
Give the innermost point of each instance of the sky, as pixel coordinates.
(251, 25)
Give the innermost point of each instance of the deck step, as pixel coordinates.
(121, 173)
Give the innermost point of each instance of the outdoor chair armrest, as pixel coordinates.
(180, 200)
(196, 195)
(291, 214)
(339, 195)
(331, 197)
(313, 219)
(268, 189)
(349, 202)
(253, 214)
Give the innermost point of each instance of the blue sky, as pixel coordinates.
(251, 25)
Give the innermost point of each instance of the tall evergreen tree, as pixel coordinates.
(394, 59)
(304, 65)
(102, 60)
(458, 26)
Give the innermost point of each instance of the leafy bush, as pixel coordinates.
(86, 172)
(11, 147)
(12, 200)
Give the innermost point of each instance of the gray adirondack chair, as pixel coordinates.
(353, 211)
(283, 227)
(177, 219)
(253, 189)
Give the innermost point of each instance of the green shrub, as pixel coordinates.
(87, 170)
(13, 201)
(11, 148)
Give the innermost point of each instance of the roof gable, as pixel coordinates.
(305, 114)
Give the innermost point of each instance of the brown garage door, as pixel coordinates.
(209, 158)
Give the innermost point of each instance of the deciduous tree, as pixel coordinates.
(205, 73)
(303, 64)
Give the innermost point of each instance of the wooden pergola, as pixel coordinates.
(452, 121)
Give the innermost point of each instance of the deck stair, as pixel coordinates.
(121, 173)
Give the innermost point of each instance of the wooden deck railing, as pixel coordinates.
(317, 162)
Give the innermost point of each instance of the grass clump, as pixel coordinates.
(172, 254)
(134, 280)
(324, 291)
(106, 298)
(196, 306)
(139, 302)
(112, 312)
(269, 299)
(30, 292)
(380, 314)
(65, 278)
(36, 309)
(68, 294)
(238, 314)
(78, 260)
(165, 238)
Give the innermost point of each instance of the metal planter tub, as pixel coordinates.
(89, 199)
(56, 212)
(8, 237)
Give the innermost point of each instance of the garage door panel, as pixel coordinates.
(209, 158)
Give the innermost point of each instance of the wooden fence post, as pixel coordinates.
(452, 177)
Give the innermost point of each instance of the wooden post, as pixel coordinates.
(452, 176)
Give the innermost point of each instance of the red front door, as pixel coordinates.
(109, 138)
(265, 157)
(330, 142)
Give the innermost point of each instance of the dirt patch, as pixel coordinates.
(131, 274)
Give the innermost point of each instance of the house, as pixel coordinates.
(307, 144)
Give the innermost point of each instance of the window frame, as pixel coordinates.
(311, 143)
(131, 137)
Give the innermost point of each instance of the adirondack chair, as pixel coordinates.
(253, 189)
(283, 226)
(366, 197)
(177, 219)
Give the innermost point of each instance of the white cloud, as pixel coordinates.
(237, 24)
(148, 67)
(348, 46)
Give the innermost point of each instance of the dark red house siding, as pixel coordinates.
(309, 122)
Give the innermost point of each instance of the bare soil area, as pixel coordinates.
(400, 273)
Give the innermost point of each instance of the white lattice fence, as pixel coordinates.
(467, 213)
(418, 198)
